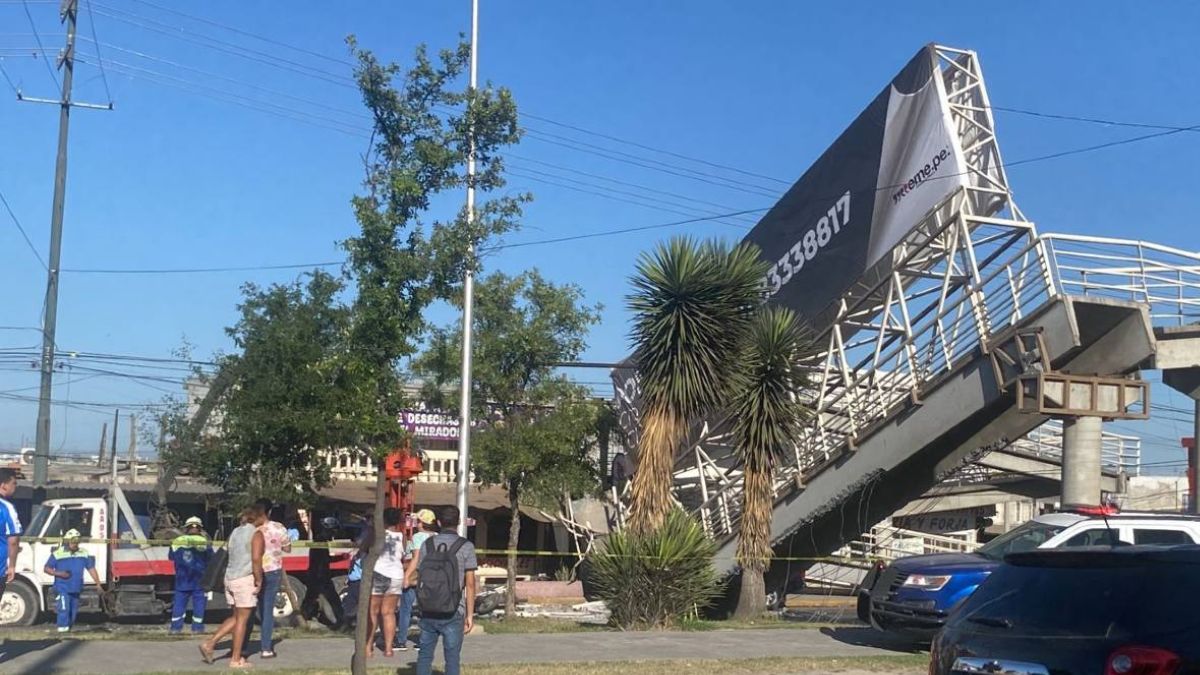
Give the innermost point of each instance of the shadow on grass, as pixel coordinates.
(862, 636)
(10, 650)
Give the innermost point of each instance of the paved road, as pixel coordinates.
(114, 656)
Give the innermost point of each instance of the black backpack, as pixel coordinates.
(439, 582)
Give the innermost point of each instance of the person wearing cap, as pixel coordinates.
(426, 528)
(190, 552)
(67, 565)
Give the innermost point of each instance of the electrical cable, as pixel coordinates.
(24, 234)
(38, 39)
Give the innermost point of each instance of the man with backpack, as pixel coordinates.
(445, 581)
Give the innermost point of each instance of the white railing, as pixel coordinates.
(1166, 279)
(885, 542)
(441, 466)
(1118, 452)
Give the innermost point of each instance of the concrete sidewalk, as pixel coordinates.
(52, 655)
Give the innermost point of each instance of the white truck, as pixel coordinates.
(140, 578)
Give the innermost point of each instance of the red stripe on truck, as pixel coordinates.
(293, 564)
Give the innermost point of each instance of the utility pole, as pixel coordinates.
(103, 445)
(112, 458)
(464, 435)
(66, 62)
(133, 470)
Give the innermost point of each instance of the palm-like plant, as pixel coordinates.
(691, 304)
(768, 417)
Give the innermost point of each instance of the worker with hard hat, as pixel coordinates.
(67, 565)
(190, 552)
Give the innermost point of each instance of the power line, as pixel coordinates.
(234, 80)
(239, 31)
(1090, 120)
(671, 207)
(1101, 146)
(38, 38)
(609, 233)
(645, 163)
(348, 62)
(255, 55)
(99, 58)
(615, 181)
(21, 229)
(654, 149)
(4, 71)
(275, 109)
(206, 270)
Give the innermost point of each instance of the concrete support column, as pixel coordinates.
(1194, 462)
(1081, 461)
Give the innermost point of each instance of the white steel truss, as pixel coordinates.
(973, 268)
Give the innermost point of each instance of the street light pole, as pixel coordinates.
(464, 435)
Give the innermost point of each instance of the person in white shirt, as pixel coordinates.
(387, 584)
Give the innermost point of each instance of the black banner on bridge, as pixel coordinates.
(869, 189)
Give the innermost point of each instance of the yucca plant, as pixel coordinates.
(654, 579)
(768, 416)
(691, 303)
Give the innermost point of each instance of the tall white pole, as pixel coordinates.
(464, 433)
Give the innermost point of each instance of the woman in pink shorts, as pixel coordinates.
(243, 579)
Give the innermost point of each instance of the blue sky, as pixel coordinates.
(183, 173)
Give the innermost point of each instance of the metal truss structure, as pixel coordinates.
(970, 269)
(961, 282)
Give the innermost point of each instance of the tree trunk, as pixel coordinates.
(754, 539)
(651, 499)
(514, 534)
(752, 600)
(358, 662)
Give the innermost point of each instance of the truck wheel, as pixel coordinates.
(19, 606)
(286, 614)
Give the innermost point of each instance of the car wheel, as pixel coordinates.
(19, 606)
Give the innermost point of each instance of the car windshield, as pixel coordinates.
(1024, 538)
(39, 520)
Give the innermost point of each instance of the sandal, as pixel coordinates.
(206, 654)
(242, 665)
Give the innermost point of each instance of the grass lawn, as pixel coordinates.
(540, 624)
(899, 665)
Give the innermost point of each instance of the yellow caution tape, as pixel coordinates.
(344, 544)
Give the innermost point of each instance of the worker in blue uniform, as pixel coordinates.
(190, 552)
(67, 565)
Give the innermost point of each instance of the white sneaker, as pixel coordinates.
(64, 629)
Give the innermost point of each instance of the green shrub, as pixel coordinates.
(655, 580)
(565, 574)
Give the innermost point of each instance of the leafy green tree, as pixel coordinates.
(537, 427)
(426, 125)
(768, 415)
(691, 303)
(281, 414)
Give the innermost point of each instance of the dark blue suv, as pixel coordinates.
(914, 596)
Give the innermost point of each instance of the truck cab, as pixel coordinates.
(914, 596)
(30, 592)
